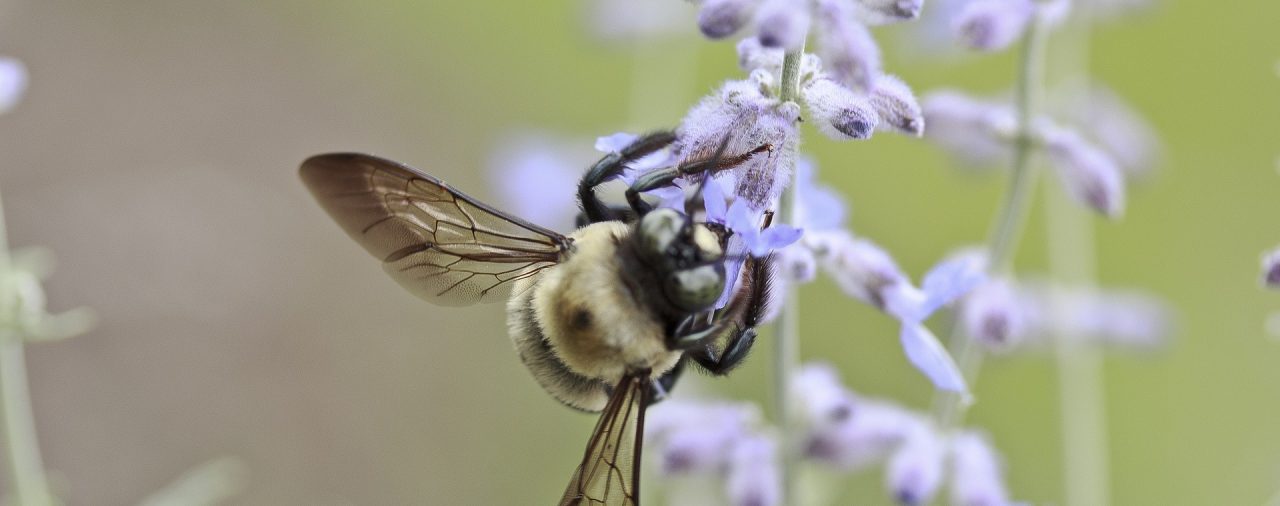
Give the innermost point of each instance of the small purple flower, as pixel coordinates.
(1271, 269)
(13, 82)
(992, 25)
(861, 268)
(945, 283)
(915, 469)
(994, 314)
(1087, 173)
(977, 475)
(753, 477)
(746, 224)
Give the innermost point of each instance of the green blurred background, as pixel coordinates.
(156, 154)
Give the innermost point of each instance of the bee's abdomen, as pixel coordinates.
(572, 389)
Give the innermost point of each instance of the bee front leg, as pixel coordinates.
(611, 166)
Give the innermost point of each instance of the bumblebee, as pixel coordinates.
(605, 318)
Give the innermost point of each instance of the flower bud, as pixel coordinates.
(783, 23)
(752, 55)
(977, 477)
(861, 268)
(992, 25)
(848, 51)
(1087, 173)
(896, 105)
(839, 113)
(721, 18)
(821, 396)
(968, 128)
(1271, 269)
(879, 12)
(797, 263)
(865, 437)
(753, 478)
(993, 316)
(915, 469)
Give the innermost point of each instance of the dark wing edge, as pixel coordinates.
(609, 474)
(439, 243)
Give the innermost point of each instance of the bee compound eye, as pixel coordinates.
(658, 230)
(697, 288)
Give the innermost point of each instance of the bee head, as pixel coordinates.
(687, 255)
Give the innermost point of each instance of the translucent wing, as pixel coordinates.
(609, 474)
(437, 242)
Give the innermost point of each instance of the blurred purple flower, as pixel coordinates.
(628, 19)
(994, 314)
(13, 82)
(783, 23)
(972, 130)
(1117, 128)
(1088, 174)
(1271, 268)
(821, 397)
(915, 469)
(867, 436)
(718, 19)
(847, 49)
(535, 176)
(753, 476)
(977, 476)
(993, 25)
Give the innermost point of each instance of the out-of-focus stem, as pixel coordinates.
(786, 356)
(1081, 392)
(22, 450)
(948, 407)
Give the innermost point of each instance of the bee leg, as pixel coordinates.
(662, 385)
(734, 352)
(611, 166)
(658, 178)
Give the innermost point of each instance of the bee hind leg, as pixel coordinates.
(611, 166)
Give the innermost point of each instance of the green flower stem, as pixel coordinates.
(1072, 256)
(22, 450)
(949, 408)
(786, 355)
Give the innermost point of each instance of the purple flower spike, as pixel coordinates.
(1088, 174)
(866, 437)
(847, 49)
(840, 113)
(13, 82)
(915, 470)
(721, 18)
(992, 25)
(977, 476)
(783, 23)
(1271, 269)
(754, 478)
